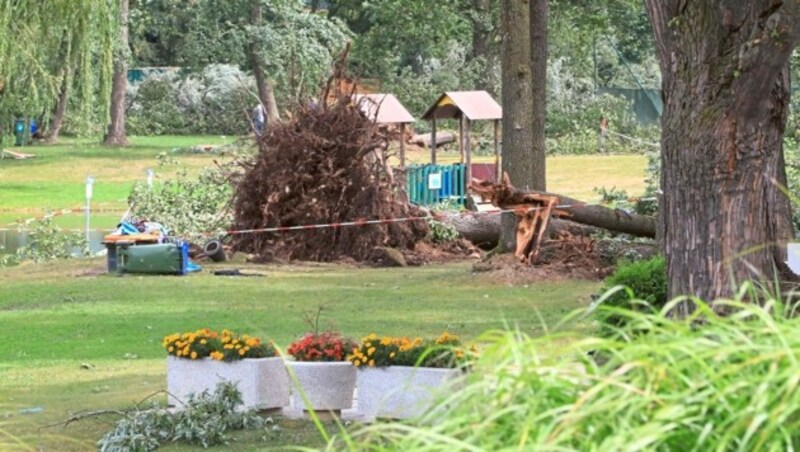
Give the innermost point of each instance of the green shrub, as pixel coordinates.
(645, 289)
(47, 241)
(440, 232)
(191, 207)
(723, 383)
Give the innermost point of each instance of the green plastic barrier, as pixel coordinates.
(453, 184)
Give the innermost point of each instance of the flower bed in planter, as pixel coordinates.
(200, 360)
(399, 377)
(322, 373)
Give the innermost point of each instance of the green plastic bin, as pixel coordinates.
(165, 259)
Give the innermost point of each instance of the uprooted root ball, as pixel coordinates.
(320, 168)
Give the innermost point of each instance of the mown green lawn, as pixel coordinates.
(75, 340)
(55, 178)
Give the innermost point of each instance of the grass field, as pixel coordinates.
(74, 341)
(55, 179)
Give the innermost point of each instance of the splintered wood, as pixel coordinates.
(531, 224)
(533, 212)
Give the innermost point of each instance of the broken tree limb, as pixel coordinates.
(506, 196)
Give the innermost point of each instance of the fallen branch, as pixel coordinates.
(85, 414)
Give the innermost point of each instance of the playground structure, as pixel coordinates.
(429, 184)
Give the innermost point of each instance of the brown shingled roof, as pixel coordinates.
(383, 108)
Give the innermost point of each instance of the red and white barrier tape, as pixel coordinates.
(59, 213)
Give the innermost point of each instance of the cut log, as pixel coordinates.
(505, 196)
(441, 138)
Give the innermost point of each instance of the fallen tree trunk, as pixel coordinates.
(506, 196)
(483, 230)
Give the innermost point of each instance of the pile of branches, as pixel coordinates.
(322, 168)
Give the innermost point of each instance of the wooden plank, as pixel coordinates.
(16, 155)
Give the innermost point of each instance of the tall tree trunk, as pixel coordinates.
(482, 33)
(116, 129)
(539, 12)
(517, 106)
(726, 92)
(266, 94)
(61, 107)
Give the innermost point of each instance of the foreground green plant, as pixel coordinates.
(204, 420)
(704, 383)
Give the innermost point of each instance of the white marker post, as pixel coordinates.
(89, 185)
(149, 178)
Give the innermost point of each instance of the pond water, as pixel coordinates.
(11, 240)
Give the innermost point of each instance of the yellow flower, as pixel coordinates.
(372, 363)
(386, 341)
(194, 355)
(392, 355)
(242, 352)
(356, 362)
(227, 346)
(371, 351)
(171, 349)
(217, 355)
(203, 341)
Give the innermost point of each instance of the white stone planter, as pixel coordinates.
(399, 392)
(329, 386)
(263, 382)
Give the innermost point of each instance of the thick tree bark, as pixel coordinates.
(61, 107)
(116, 129)
(539, 12)
(726, 91)
(517, 106)
(482, 34)
(266, 93)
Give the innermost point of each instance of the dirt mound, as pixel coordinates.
(567, 257)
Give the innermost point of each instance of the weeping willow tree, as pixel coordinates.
(48, 47)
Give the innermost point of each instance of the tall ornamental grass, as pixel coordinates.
(701, 384)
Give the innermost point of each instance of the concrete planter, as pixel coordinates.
(263, 382)
(793, 256)
(399, 392)
(329, 386)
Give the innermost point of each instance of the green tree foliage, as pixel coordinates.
(296, 46)
(39, 39)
